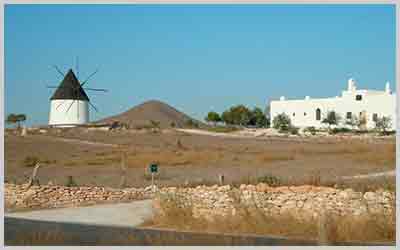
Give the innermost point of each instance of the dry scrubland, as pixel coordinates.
(190, 160)
(186, 159)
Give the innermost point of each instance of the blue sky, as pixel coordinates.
(195, 57)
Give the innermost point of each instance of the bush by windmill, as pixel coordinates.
(69, 105)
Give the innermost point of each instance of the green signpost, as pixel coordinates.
(153, 169)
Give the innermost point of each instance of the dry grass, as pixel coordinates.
(382, 154)
(371, 228)
(178, 155)
(275, 156)
(375, 228)
(175, 158)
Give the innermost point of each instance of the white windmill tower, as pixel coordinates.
(69, 105)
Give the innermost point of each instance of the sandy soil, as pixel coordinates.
(94, 157)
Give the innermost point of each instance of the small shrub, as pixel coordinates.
(154, 124)
(271, 180)
(340, 130)
(282, 122)
(179, 144)
(192, 124)
(222, 129)
(361, 132)
(30, 161)
(383, 124)
(294, 130)
(312, 130)
(70, 182)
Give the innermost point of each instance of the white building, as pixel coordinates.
(362, 103)
(69, 105)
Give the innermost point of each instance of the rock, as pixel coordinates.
(262, 187)
(369, 196)
(302, 189)
(224, 188)
(282, 189)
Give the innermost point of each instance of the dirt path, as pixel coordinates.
(84, 142)
(238, 134)
(372, 175)
(121, 214)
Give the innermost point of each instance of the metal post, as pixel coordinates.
(152, 180)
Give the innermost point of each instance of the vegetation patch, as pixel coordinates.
(30, 161)
(376, 227)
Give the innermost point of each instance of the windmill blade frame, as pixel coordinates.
(93, 107)
(77, 68)
(90, 76)
(92, 89)
(59, 71)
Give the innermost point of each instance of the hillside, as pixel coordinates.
(153, 110)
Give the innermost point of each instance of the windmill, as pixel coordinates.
(69, 105)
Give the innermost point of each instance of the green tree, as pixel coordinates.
(16, 118)
(213, 117)
(332, 118)
(227, 117)
(383, 124)
(282, 122)
(258, 118)
(237, 115)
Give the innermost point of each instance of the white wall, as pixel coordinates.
(381, 103)
(77, 114)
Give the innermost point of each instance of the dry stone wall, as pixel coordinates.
(300, 201)
(36, 197)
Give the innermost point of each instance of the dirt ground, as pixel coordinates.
(190, 159)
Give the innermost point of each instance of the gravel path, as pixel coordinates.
(121, 214)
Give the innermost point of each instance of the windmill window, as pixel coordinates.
(358, 97)
(375, 117)
(348, 115)
(318, 114)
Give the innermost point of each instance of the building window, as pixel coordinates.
(305, 113)
(375, 117)
(348, 115)
(294, 114)
(318, 114)
(358, 97)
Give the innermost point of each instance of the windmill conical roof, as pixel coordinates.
(70, 89)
